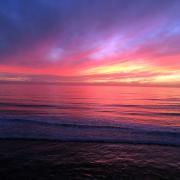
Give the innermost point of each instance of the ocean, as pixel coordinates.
(50, 131)
(138, 115)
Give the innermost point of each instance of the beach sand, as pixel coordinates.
(42, 159)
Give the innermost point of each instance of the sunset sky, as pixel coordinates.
(90, 41)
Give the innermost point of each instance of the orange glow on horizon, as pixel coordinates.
(126, 72)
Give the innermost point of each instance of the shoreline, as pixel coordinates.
(88, 141)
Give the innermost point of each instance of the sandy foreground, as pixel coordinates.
(41, 159)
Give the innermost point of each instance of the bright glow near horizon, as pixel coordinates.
(79, 42)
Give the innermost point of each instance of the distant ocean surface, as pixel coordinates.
(135, 115)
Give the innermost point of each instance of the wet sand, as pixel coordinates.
(41, 159)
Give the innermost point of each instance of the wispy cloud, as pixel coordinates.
(91, 40)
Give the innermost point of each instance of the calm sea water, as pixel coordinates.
(147, 115)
